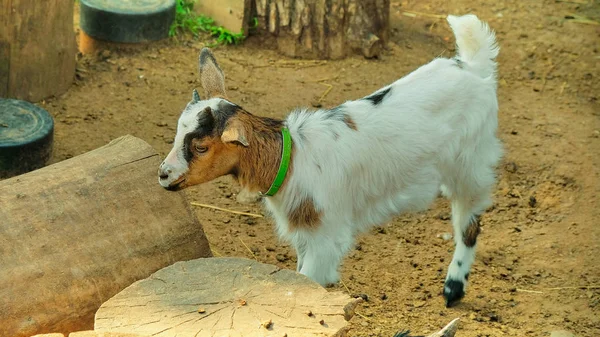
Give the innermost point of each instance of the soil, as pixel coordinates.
(540, 242)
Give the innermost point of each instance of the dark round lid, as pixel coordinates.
(22, 123)
(130, 6)
(127, 21)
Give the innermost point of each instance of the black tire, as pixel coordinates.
(127, 21)
(26, 137)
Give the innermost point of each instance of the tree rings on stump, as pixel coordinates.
(127, 21)
(26, 134)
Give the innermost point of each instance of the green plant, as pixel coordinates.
(188, 21)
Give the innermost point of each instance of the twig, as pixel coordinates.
(581, 19)
(216, 253)
(580, 2)
(344, 284)
(329, 87)
(576, 287)
(226, 210)
(562, 88)
(548, 73)
(413, 14)
(559, 288)
(251, 252)
(530, 291)
(361, 315)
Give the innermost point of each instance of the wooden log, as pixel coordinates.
(226, 297)
(37, 48)
(75, 233)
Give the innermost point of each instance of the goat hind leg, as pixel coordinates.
(465, 221)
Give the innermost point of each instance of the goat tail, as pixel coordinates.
(475, 43)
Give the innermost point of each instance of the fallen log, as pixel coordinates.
(226, 297)
(75, 233)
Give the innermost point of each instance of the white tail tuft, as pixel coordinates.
(475, 43)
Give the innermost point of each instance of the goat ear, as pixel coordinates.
(234, 133)
(211, 76)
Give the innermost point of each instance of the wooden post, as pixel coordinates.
(75, 233)
(37, 48)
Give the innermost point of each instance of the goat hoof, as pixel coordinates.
(453, 292)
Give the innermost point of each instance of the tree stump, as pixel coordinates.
(75, 233)
(226, 297)
(37, 48)
(326, 29)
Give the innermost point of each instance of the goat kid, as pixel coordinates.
(361, 163)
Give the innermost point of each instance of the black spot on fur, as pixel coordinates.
(459, 63)
(206, 122)
(377, 97)
(459, 263)
(467, 276)
(453, 292)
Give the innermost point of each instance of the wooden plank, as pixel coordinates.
(75, 233)
(231, 14)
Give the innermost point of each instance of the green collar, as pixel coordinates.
(286, 155)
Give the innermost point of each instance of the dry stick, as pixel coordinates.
(413, 14)
(529, 291)
(251, 252)
(559, 288)
(581, 2)
(344, 284)
(329, 87)
(562, 88)
(226, 210)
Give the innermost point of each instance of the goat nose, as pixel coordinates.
(164, 174)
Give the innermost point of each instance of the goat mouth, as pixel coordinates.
(175, 186)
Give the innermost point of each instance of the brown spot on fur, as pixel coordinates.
(304, 216)
(350, 122)
(470, 234)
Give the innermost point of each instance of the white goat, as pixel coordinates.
(363, 162)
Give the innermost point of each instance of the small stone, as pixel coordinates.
(365, 297)
(532, 201)
(105, 54)
(596, 134)
(383, 296)
(267, 324)
(281, 258)
(322, 322)
(445, 236)
(270, 248)
(201, 310)
(511, 167)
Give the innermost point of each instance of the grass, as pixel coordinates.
(186, 21)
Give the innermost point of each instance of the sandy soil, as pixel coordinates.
(540, 240)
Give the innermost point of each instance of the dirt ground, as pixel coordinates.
(540, 241)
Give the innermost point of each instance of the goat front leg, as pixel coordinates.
(466, 230)
(323, 254)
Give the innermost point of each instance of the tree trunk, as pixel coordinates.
(37, 48)
(325, 29)
(75, 233)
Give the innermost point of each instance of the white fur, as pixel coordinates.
(435, 129)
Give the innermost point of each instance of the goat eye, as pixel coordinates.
(201, 149)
